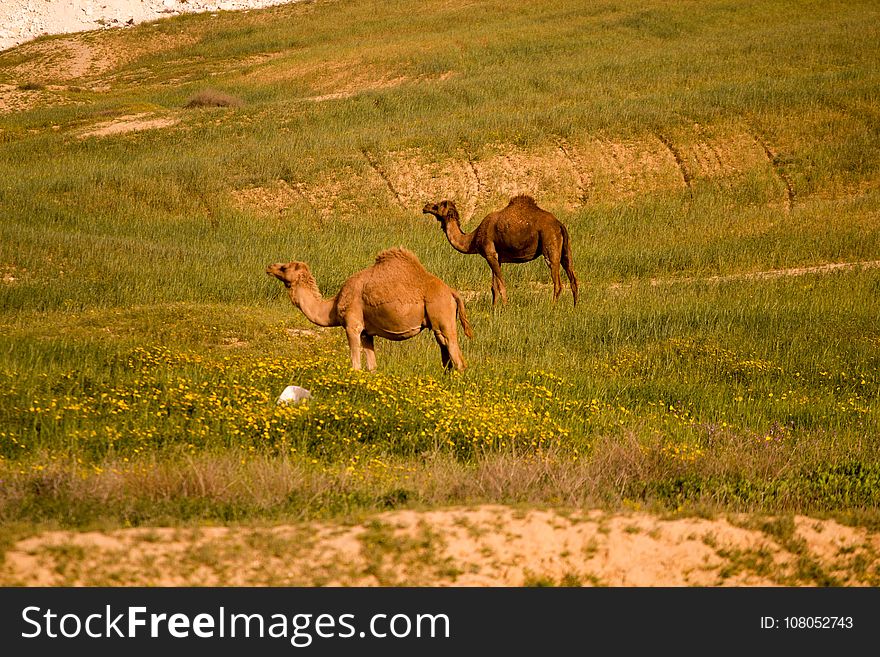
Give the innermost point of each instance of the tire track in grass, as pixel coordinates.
(479, 189)
(686, 175)
(374, 164)
(583, 183)
(773, 159)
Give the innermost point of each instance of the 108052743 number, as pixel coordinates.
(817, 622)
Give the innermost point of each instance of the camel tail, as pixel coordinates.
(567, 263)
(462, 315)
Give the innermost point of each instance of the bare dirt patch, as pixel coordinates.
(362, 84)
(718, 155)
(542, 171)
(129, 123)
(271, 199)
(625, 169)
(562, 175)
(87, 59)
(61, 60)
(483, 546)
(78, 62)
(82, 58)
(419, 177)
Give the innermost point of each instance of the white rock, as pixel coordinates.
(22, 20)
(293, 395)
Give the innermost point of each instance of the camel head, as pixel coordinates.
(443, 211)
(292, 274)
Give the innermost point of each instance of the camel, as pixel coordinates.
(395, 299)
(519, 233)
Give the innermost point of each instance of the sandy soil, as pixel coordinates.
(480, 546)
(128, 123)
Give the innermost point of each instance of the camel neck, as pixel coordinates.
(460, 241)
(317, 310)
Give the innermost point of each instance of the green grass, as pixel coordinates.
(142, 345)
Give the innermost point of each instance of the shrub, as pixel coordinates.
(213, 98)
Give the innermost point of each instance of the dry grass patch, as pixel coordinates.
(213, 98)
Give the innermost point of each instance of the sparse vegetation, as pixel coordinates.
(213, 98)
(686, 146)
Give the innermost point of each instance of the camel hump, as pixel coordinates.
(523, 199)
(398, 256)
(396, 277)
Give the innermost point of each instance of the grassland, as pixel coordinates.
(687, 146)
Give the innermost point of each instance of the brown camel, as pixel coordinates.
(395, 299)
(519, 233)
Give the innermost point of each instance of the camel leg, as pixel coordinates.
(369, 351)
(442, 319)
(565, 258)
(444, 356)
(572, 279)
(450, 352)
(552, 250)
(353, 333)
(455, 354)
(554, 275)
(498, 286)
(444, 345)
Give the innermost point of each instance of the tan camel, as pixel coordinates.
(519, 233)
(394, 299)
